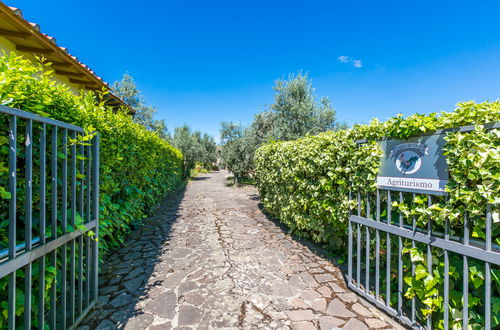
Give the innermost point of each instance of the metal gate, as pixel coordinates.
(49, 221)
(378, 265)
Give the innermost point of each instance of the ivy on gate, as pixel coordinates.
(305, 183)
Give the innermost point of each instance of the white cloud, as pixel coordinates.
(344, 59)
(347, 59)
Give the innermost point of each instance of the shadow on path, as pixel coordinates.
(211, 259)
(311, 245)
(124, 273)
(200, 178)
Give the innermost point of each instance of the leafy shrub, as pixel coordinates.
(306, 184)
(137, 166)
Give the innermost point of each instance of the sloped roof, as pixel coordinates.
(29, 39)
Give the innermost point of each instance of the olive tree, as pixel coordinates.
(195, 147)
(144, 114)
(296, 112)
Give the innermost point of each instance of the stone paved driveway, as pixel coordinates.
(210, 259)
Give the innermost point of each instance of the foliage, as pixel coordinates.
(236, 152)
(306, 184)
(127, 90)
(195, 147)
(201, 168)
(208, 156)
(474, 163)
(295, 112)
(230, 131)
(137, 166)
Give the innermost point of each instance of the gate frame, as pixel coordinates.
(480, 250)
(21, 256)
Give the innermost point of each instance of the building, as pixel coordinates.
(25, 38)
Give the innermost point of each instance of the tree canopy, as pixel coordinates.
(144, 115)
(296, 112)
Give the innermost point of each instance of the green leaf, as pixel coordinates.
(416, 255)
(430, 282)
(420, 272)
(4, 194)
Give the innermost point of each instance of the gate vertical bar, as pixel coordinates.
(28, 220)
(388, 254)
(53, 219)
(349, 247)
(358, 245)
(73, 224)
(12, 218)
(413, 300)
(80, 239)
(88, 218)
(400, 261)
(446, 276)
(95, 213)
(64, 211)
(487, 284)
(41, 269)
(429, 255)
(465, 309)
(377, 252)
(367, 266)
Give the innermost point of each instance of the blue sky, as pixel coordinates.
(204, 62)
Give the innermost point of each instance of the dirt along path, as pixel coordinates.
(210, 259)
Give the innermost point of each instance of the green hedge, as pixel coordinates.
(137, 167)
(305, 184)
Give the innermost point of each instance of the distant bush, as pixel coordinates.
(305, 184)
(198, 149)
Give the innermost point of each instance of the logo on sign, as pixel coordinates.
(408, 157)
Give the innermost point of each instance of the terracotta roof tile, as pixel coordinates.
(17, 11)
(36, 27)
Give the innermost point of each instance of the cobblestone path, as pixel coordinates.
(210, 259)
